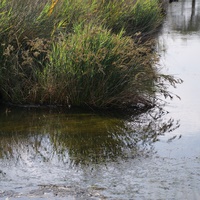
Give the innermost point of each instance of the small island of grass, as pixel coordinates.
(95, 53)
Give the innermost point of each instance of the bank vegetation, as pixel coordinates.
(96, 53)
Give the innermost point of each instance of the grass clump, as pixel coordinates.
(4, 16)
(132, 15)
(103, 69)
(78, 52)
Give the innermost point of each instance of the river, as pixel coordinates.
(63, 154)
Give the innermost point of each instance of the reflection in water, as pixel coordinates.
(189, 19)
(78, 138)
(193, 9)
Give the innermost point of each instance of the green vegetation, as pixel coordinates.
(79, 52)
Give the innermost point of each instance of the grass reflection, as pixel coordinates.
(79, 137)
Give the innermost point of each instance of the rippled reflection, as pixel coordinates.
(78, 137)
(189, 19)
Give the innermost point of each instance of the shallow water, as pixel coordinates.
(46, 152)
(179, 45)
(52, 154)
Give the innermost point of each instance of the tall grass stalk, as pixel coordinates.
(78, 52)
(98, 68)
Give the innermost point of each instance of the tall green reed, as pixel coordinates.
(4, 16)
(79, 52)
(94, 67)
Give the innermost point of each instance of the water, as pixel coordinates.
(180, 42)
(52, 154)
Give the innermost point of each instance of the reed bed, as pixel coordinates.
(80, 52)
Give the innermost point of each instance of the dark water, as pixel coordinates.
(51, 154)
(44, 151)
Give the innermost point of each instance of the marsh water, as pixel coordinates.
(76, 154)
